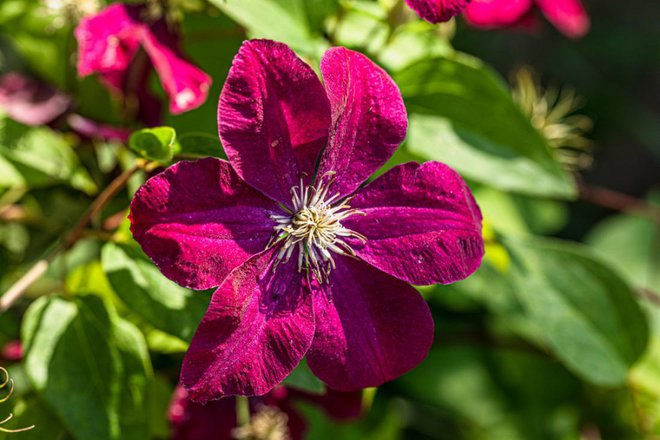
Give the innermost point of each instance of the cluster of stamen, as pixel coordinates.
(314, 227)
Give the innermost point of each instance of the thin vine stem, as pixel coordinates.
(70, 239)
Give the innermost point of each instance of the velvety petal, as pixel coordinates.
(568, 16)
(31, 102)
(421, 223)
(195, 421)
(108, 41)
(436, 11)
(258, 327)
(370, 327)
(273, 118)
(198, 221)
(186, 85)
(497, 13)
(368, 118)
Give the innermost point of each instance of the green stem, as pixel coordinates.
(242, 411)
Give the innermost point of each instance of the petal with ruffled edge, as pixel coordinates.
(497, 13)
(198, 221)
(568, 16)
(258, 327)
(368, 118)
(186, 85)
(436, 11)
(370, 327)
(421, 223)
(273, 118)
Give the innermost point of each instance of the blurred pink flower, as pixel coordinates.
(32, 102)
(12, 351)
(110, 44)
(568, 16)
(436, 11)
(217, 419)
(302, 273)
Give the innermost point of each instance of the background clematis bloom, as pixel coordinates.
(273, 412)
(437, 11)
(308, 261)
(568, 16)
(110, 44)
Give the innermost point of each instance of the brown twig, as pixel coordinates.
(78, 231)
(618, 201)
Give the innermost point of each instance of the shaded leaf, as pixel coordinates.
(73, 364)
(588, 315)
(302, 378)
(141, 286)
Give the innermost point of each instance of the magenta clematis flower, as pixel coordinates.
(568, 16)
(274, 411)
(110, 43)
(437, 11)
(308, 261)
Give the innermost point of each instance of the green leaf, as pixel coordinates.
(588, 315)
(88, 364)
(141, 286)
(299, 22)
(302, 378)
(135, 380)
(32, 411)
(463, 115)
(491, 391)
(38, 157)
(73, 364)
(630, 243)
(154, 143)
(195, 145)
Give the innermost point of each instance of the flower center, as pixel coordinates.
(314, 228)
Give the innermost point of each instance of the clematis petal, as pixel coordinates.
(436, 11)
(370, 327)
(186, 85)
(421, 223)
(273, 118)
(258, 327)
(497, 13)
(108, 41)
(198, 221)
(368, 118)
(568, 16)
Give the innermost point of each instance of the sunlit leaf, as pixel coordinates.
(463, 115)
(141, 286)
(154, 143)
(588, 315)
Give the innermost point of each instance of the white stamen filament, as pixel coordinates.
(314, 227)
